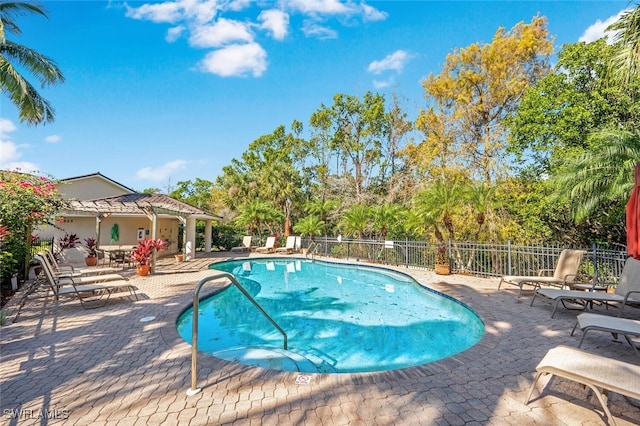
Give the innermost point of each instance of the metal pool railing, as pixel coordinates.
(194, 330)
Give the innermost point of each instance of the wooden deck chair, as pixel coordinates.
(269, 246)
(598, 373)
(88, 294)
(627, 291)
(246, 244)
(564, 274)
(289, 246)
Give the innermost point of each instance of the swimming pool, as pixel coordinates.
(338, 318)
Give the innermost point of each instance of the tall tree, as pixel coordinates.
(625, 65)
(33, 108)
(356, 129)
(477, 89)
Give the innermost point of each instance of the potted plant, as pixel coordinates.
(143, 253)
(92, 246)
(442, 266)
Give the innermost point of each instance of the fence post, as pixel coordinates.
(595, 264)
(508, 258)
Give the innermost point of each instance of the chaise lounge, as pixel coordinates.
(564, 274)
(627, 291)
(599, 373)
(627, 327)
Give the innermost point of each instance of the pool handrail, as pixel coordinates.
(194, 329)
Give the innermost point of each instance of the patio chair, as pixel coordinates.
(564, 274)
(71, 270)
(269, 246)
(627, 291)
(627, 327)
(289, 246)
(120, 257)
(246, 244)
(64, 279)
(599, 373)
(88, 294)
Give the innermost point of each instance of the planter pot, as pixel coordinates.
(91, 261)
(143, 270)
(442, 269)
(179, 258)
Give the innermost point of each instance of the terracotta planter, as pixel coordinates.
(91, 261)
(143, 270)
(179, 258)
(442, 269)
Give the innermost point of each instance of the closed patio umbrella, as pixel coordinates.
(633, 217)
(115, 233)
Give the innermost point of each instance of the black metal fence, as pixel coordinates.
(482, 259)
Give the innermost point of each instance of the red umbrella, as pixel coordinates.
(633, 217)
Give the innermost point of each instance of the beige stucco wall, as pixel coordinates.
(90, 188)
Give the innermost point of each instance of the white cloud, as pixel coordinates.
(6, 127)
(313, 29)
(236, 60)
(10, 154)
(224, 31)
(325, 7)
(173, 11)
(598, 30)
(161, 173)
(204, 24)
(372, 14)
(160, 12)
(52, 139)
(275, 21)
(378, 84)
(174, 33)
(393, 62)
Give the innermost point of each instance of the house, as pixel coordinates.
(119, 217)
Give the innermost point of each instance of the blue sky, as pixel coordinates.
(161, 92)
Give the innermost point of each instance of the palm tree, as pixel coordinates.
(34, 109)
(311, 225)
(625, 65)
(602, 176)
(355, 220)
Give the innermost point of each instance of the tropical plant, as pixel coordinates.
(68, 241)
(33, 108)
(355, 220)
(625, 65)
(92, 246)
(311, 225)
(143, 252)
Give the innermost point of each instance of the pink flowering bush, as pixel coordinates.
(26, 201)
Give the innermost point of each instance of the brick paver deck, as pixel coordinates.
(106, 367)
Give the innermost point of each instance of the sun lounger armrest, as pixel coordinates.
(626, 298)
(545, 272)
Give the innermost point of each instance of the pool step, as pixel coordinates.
(275, 359)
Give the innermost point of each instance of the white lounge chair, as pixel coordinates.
(627, 291)
(269, 246)
(564, 274)
(86, 293)
(69, 270)
(65, 278)
(246, 245)
(627, 327)
(599, 373)
(289, 247)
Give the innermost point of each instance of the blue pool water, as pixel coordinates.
(338, 318)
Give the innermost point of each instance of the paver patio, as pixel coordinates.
(106, 367)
